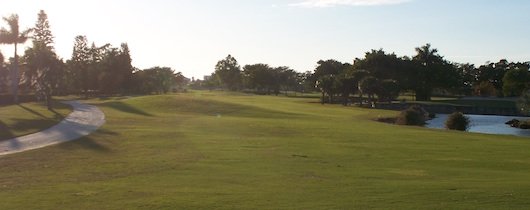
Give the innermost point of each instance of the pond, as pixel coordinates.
(490, 124)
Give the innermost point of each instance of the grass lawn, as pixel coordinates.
(26, 118)
(211, 150)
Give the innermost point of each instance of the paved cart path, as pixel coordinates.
(83, 120)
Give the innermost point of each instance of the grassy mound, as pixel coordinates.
(210, 150)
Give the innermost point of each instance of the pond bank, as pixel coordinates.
(448, 109)
(489, 124)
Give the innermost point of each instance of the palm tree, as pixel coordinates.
(428, 58)
(15, 37)
(425, 55)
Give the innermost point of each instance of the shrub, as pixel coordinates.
(457, 121)
(524, 124)
(414, 115)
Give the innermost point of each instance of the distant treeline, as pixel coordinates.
(379, 75)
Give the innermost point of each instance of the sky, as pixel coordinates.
(190, 36)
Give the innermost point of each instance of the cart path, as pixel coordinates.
(83, 120)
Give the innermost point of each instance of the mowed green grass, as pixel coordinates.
(26, 118)
(211, 150)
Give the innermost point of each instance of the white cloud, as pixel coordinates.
(333, 3)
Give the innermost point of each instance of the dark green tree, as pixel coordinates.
(369, 86)
(228, 73)
(3, 75)
(14, 36)
(180, 82)
(324, 68)
(259, 77)
(469, 75)
(159, 80)
(326, 85)
(163, 78)
(516, 81)
(358, 75)
(287, 79)
(388, 90)
(79, 65)
(380, 64)
(44, 69)
(493, 73)
(432, 72)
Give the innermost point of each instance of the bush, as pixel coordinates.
(524, 124)
(457, 121)
(414, 115)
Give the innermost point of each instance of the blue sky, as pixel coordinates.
(192, 35)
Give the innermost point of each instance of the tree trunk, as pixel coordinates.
(15, 78)
(49, 101)
(323, 98)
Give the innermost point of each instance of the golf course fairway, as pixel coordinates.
(217, 150)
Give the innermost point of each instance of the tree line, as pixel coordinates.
(259, 78)
(95, 70)
(92, 70)
(379, 76)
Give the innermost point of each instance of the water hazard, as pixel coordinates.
(490, 124)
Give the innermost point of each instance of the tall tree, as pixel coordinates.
(380, 64)
(427, 58)
(325, 68)
(126, 69)
(228, 73)
(369, 86)
(388, 90)
(80, 64)
(469, 76)
(432, 72)
(14, 36)
(44, 68)
(358, 76)
(516, 81)
(42, 32)
(259, 77)
(3, 75)
(326, 86)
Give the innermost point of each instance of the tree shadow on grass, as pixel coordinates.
(5, 131)
(123, 107)
(28, 124)
(32, 111)
(24, 125)
(85, 143)
(89, 142)
(219, 109)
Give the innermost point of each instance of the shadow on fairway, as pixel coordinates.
(32, 111)
(28, 124)
(5, 132)
(88, 142)
(85, 143)
(123, 107)
(219, 108)
(24, 125)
